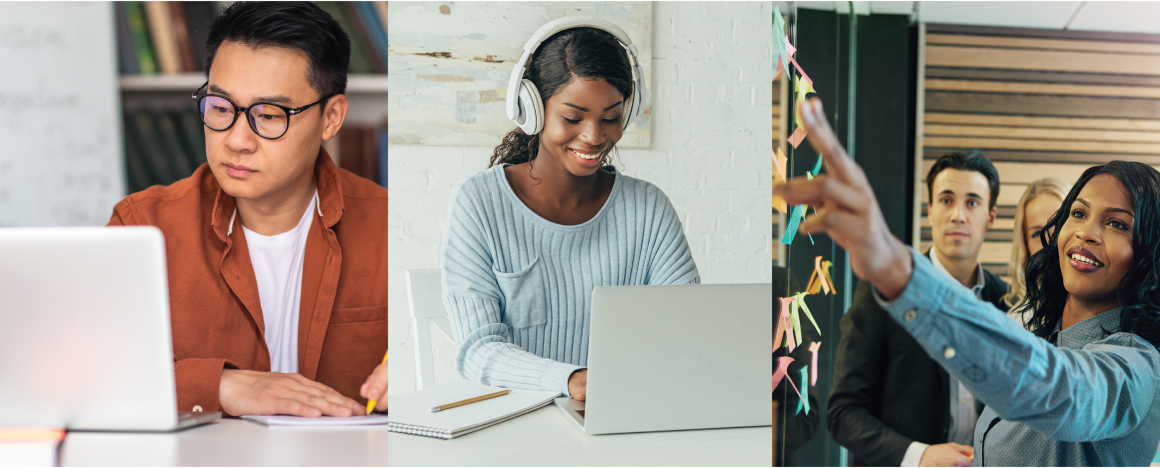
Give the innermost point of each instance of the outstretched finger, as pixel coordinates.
(822, 191)
(822, 138)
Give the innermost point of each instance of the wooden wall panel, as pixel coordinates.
(1038, 104)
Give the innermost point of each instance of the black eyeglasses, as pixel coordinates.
(268, 120)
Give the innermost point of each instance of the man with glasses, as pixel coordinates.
(277, 258)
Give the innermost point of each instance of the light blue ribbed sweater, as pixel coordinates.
(518, 288)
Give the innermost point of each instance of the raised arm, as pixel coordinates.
(1070, 395)
(1100, 392)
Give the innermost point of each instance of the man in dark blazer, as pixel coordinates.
(891, 404)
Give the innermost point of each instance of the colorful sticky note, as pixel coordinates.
(817, 167)
(804, 402)
(797, 136)
(787, 325)
(820, 279)
(783, 312)
(801, 72)
(781, 57)
(801, 88)
(801, 302)
(792, 224)
(814, 370)
(789, 48)
(780, 162)
(779, 374)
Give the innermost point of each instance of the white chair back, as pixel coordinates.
(425, 304)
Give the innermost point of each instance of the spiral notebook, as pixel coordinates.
(411, 413)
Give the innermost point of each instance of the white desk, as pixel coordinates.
(230, 442)
(546, 437)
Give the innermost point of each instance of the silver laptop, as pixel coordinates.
(85, 341)
(666, 358)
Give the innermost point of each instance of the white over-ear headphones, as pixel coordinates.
(524, 105)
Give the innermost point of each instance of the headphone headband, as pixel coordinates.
(569, 22)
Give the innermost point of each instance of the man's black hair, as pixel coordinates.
(300, 26)
(972, 160)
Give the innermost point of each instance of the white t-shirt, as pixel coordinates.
(277, 262)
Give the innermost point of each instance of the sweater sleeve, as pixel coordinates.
(472, 296)
(673, 260)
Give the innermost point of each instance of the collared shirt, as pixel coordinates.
(961, 401)
(215, 307)
(1089, 399)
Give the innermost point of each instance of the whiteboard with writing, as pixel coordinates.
(61, 160)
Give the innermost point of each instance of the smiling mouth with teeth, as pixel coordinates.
(1082, 259)
(587, 156)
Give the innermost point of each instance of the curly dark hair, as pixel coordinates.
(571, 54)
(1139, 292)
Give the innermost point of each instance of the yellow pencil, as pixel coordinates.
(371, 404)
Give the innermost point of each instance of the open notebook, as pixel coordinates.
(411, 413)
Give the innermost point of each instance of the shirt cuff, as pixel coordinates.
(914, 454)
(556, 375)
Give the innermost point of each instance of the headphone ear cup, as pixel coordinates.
(531, 109)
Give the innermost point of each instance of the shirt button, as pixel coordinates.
(909, 316)
(948, 352)
(197, 408)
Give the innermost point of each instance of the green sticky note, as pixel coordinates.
(792, 224)
(805, 391)
(778, 34)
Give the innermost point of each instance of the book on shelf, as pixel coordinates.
(143, 49)
(164, 38)
(375, 29)
(126, 56)
(181, 33)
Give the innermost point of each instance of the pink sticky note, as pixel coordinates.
(796, 138)
(787, 322)
(801, 72)
(784, 312)
(782, 368)
(789, 48)
(814, 368)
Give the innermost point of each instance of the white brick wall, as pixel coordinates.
(710, 153)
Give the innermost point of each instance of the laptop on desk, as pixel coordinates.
(85, 341)
(666, 358)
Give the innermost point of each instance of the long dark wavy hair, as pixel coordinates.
(571, 54)
(1139, 292)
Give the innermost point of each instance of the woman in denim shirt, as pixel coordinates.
(1080, 387)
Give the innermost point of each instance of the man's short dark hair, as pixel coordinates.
(294, 25)
(972, 160)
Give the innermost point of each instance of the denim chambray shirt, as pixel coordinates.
(1088, 399)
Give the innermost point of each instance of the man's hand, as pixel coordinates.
(847, 210)
(948, 454)
(251, 392)
(578, 385)
(375, 388)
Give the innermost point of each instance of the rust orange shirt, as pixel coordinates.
(213, 294)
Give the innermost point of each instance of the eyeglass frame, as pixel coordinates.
(239, 110)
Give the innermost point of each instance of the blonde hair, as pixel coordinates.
(1050, 186)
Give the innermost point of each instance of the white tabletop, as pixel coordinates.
(230, 442)
(546, 437)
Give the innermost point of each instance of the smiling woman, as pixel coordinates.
(529, 238)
